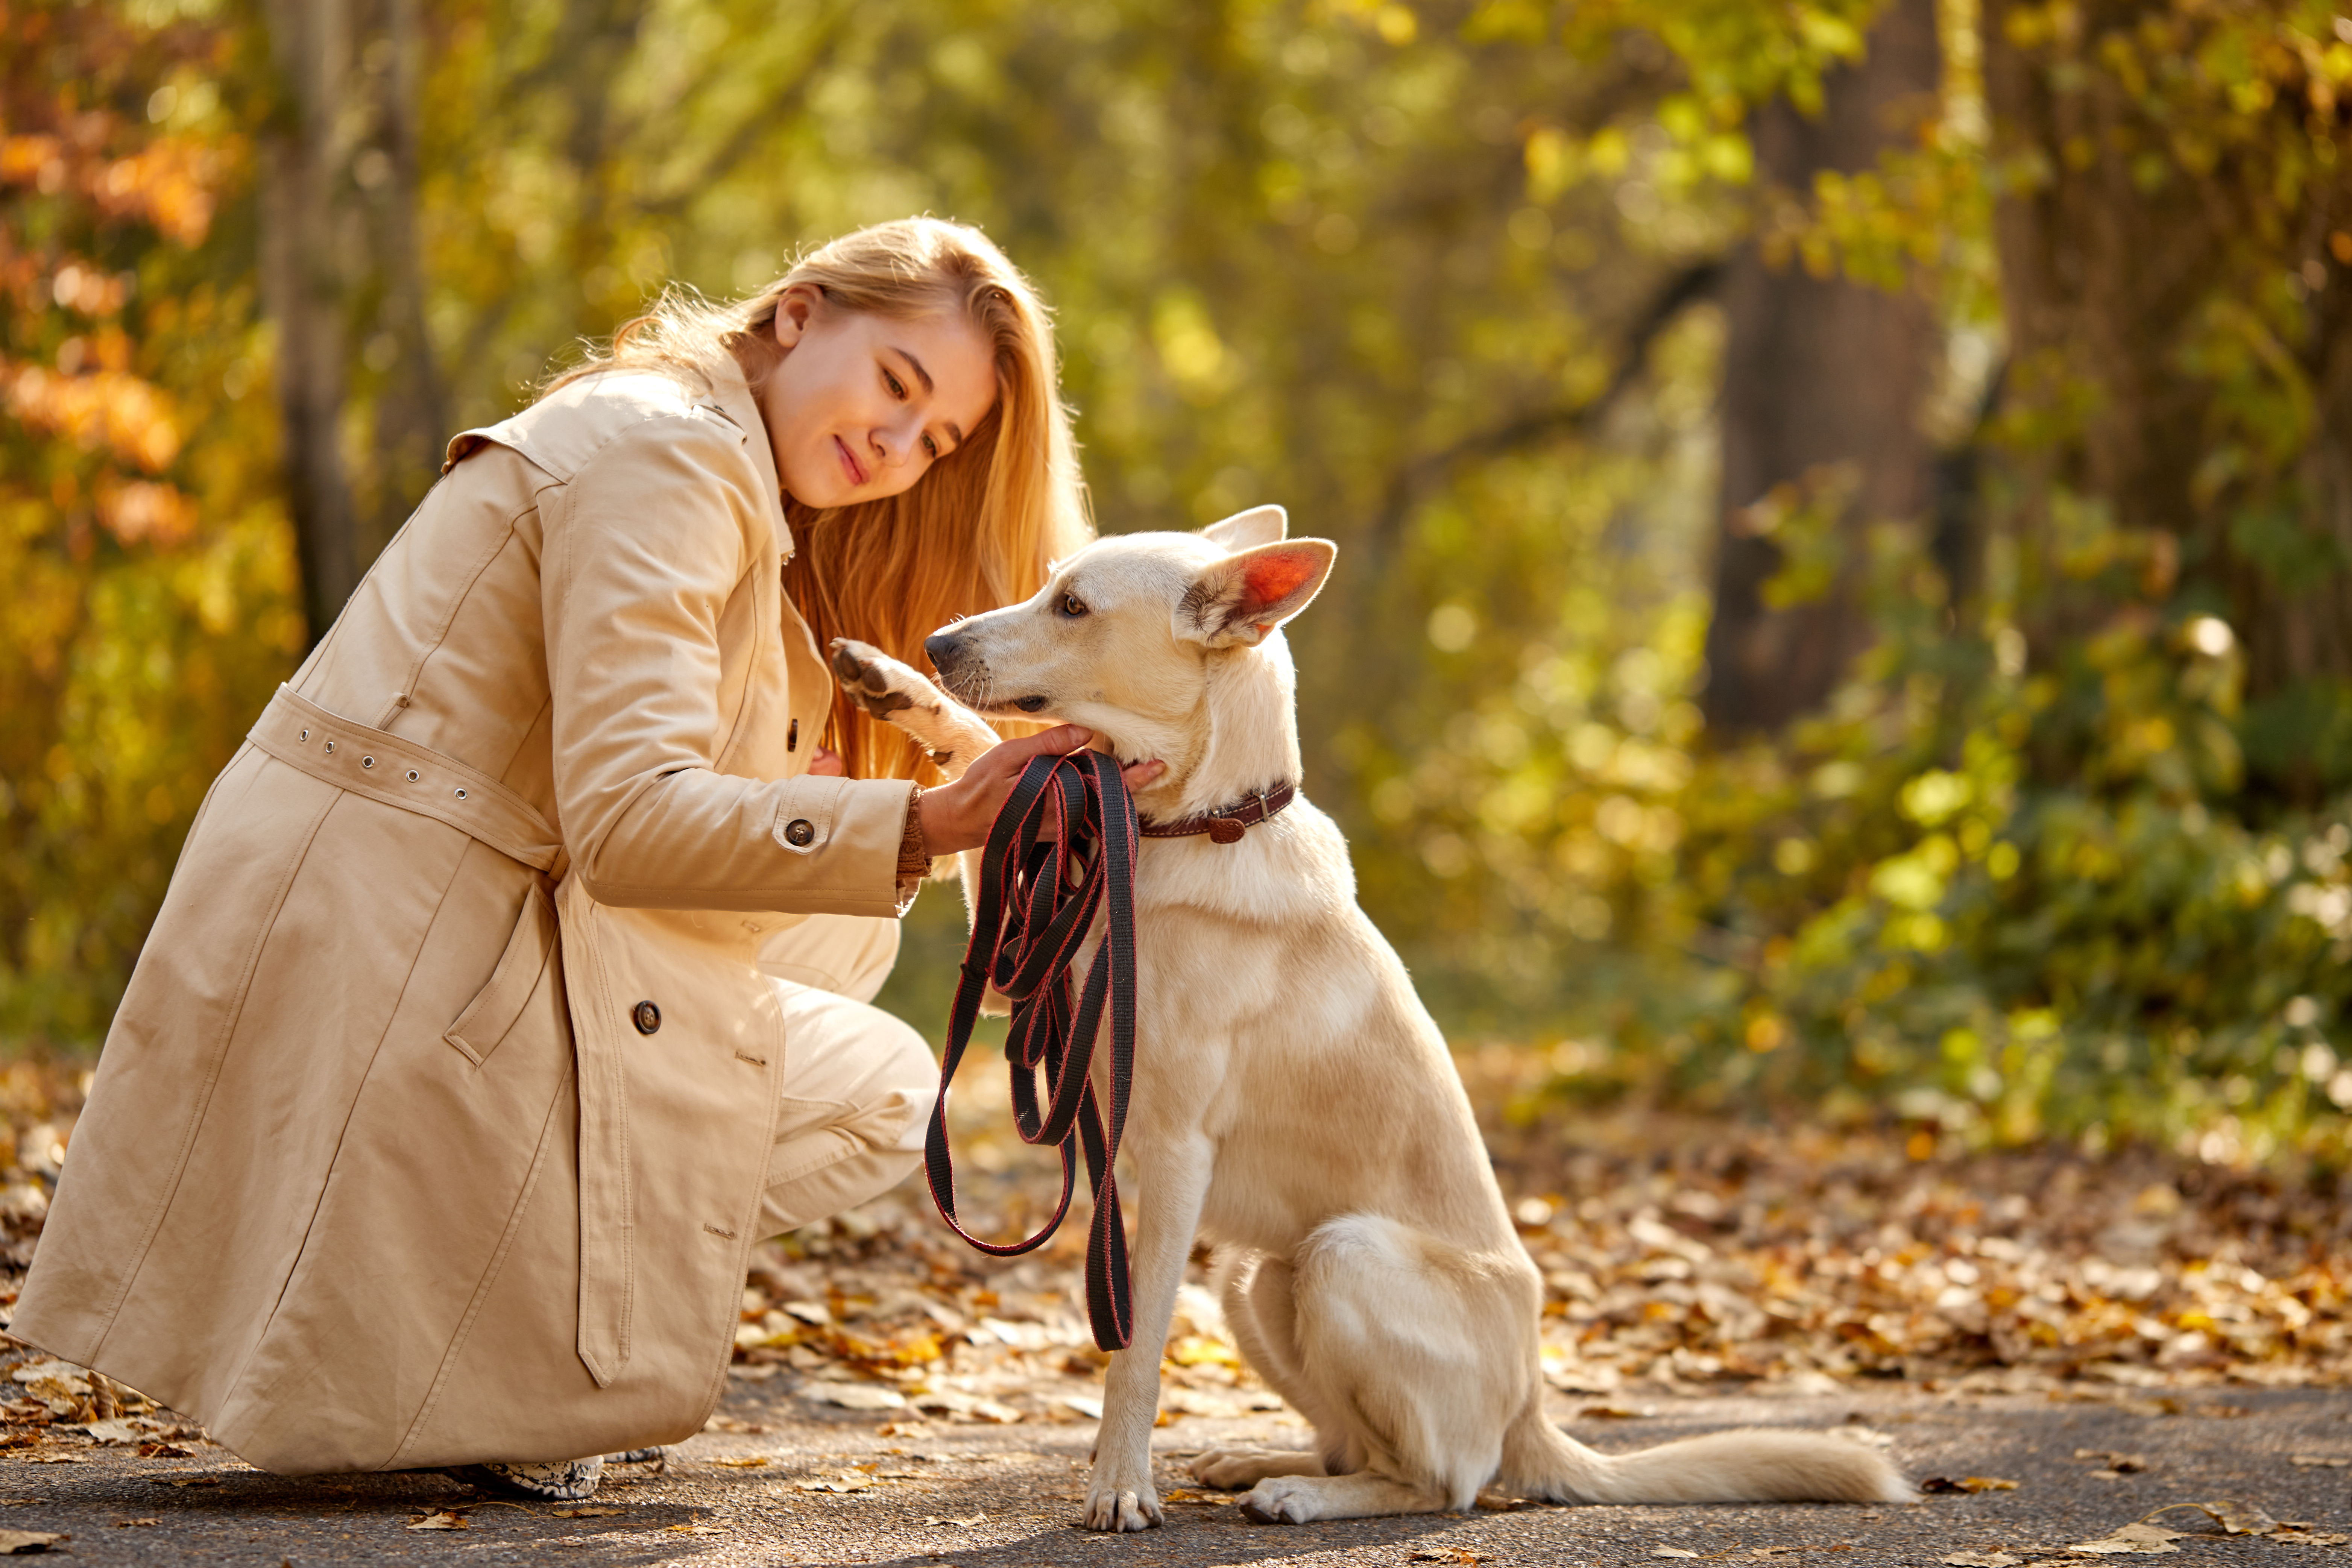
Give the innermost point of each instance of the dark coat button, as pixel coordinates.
(646, 1017)
(800, 833)
(793, 736)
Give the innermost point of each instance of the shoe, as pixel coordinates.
(556, 1480)
(658, 1458)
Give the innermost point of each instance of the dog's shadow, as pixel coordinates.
(1221, 1532)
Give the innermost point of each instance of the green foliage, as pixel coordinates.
(2064, 856)
(149, 569)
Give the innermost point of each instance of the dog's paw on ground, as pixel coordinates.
(1122, 1497)
(1237, 1470)
(1280, 1499)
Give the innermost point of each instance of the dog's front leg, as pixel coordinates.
(1174, 1184)
(950, 734)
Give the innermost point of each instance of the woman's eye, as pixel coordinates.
(932, 448)
(1072, 607)
(897, 387)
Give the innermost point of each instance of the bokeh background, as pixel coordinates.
(1845, 507)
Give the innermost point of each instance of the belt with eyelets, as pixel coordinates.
(385, 767)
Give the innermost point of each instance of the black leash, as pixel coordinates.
(1062, 850)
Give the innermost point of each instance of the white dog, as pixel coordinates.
(1293, 1101)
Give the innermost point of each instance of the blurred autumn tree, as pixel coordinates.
(1841, 502)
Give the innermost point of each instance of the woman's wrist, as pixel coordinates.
(914, 855)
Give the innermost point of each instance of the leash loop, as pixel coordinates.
(1061, 851)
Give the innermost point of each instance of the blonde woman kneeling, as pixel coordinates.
(513, 980)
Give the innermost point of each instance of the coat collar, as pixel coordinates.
(732, 395)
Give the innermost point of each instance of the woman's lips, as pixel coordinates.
(850, 464)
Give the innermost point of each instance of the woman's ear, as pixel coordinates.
(795, 307)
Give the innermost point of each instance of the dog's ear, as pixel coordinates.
(1259, 525)
(1237, 601)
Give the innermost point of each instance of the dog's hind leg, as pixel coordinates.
(1408, 1341)
(1256, 1289)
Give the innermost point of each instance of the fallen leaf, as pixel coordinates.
(591, 1512)
(1673, 1551)
(1615, 1413)
(742, 1461)
(1983, 1560)
(1447, 1554)
(1966, 1484)
(853, 1396)
(134, 1523)
(1086, 1404)
(444, 1519)
(2323, 1461)
(165, 1451)
(122, 1432)
(57, 1459)
(186, 1480)
(2135, 1540)
(25, 1542)
(847, 1481)
(698, 1529)
(2234, 1518)
(2116, 1464)
(964, 1523)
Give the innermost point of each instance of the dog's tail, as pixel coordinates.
(1750, 1466)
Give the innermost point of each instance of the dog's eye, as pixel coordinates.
(1072, 607)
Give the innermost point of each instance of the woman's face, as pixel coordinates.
(861, 406)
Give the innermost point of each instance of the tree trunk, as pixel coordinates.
(303, 164)
(343, 279)
(412, 417)
(1821, 374)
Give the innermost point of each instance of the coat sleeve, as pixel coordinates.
(645, 547)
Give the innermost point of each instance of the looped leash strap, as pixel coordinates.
(1062, 851)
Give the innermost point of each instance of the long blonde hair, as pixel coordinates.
(980, 528)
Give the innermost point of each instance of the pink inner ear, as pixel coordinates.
(1276, 576)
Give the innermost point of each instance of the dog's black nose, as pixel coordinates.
(943, 647)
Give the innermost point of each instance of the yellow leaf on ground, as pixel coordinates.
(2137, 1539)
(25, 1542)
(590, 1512)
(742, 1461)
(444, 1519)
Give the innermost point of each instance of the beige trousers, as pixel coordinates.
(859, 1083)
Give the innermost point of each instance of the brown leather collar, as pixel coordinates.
(1226, 824)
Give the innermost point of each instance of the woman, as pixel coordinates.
(512, 982)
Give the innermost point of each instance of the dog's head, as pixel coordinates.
(1128, 634)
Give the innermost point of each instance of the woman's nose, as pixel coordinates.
(896, 443)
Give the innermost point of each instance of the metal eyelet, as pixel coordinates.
(306, 734)
(367, 762)
(330, 748)
(412, 775)
(461, 794)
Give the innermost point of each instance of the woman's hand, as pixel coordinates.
(958, 815)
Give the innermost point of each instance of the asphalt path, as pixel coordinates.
(1003, 1496)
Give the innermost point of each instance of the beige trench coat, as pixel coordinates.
(385, 1164)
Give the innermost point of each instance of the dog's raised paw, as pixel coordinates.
(874, 681)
